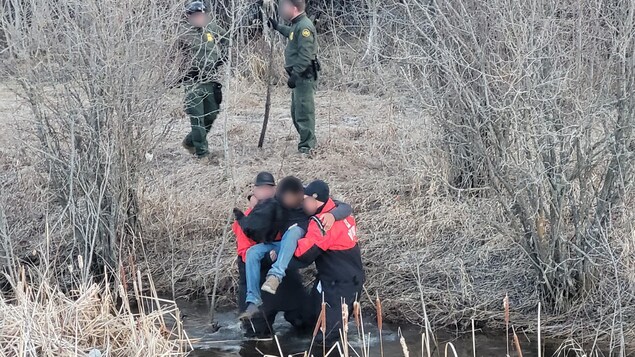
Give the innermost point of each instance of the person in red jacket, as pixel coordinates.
(337, 257)
(264, 188)
(292, 295)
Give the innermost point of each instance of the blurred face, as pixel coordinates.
(288, 11)
(264, 192)
(292, 199)
(311, 205)
(197, 19)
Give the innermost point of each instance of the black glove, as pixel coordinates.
(273, 23)
(291, 81)
(238, 214)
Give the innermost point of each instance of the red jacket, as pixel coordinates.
(243, 243)
(335, 252)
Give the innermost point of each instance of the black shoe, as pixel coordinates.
(305, 153)
(207, 159)
(190, 149)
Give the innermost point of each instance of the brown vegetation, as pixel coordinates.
(42, 320)
(485, 147)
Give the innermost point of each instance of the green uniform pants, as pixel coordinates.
(202, 106)
(303, 112)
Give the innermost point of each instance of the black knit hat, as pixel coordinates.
(319, 190)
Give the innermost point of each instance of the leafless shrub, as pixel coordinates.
(94, 76)
(534, 105)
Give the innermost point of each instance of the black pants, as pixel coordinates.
(291, 298)
(335, 294)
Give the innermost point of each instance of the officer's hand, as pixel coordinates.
(328, 219)
(291, 81)
(273, 23)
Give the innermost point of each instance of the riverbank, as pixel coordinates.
(422, 242)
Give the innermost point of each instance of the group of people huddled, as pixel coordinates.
(204, 43)
(287, 227)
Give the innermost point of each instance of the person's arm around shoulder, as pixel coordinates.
(308, 250)
(340, 212)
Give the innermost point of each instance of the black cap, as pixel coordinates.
(194, 7)
(319, 190)
(265, 179)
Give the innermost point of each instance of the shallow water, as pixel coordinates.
(227, 340)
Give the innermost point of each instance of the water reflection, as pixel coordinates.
(226, 338)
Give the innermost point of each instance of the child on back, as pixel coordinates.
(282, 214)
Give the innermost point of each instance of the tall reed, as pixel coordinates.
(380, 324)
(506, 308)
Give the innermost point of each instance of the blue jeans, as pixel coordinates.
(288, 244)
(254, 256)
(284, 249)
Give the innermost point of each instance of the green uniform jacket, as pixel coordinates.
(302, 46)
(203, 48)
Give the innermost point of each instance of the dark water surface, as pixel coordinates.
(227, 340)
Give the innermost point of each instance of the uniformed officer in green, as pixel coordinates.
(201, 40)
(302, 66)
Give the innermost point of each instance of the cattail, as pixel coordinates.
(345, 328)
(506, 307)
(318, 324)
(345, 316)
(356, 314)
(517, 344)
(323, 323)
(380, 325)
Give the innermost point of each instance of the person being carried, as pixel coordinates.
(264, 188)
(284, 212)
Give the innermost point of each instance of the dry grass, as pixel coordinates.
(418, 238)
(41, 320)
